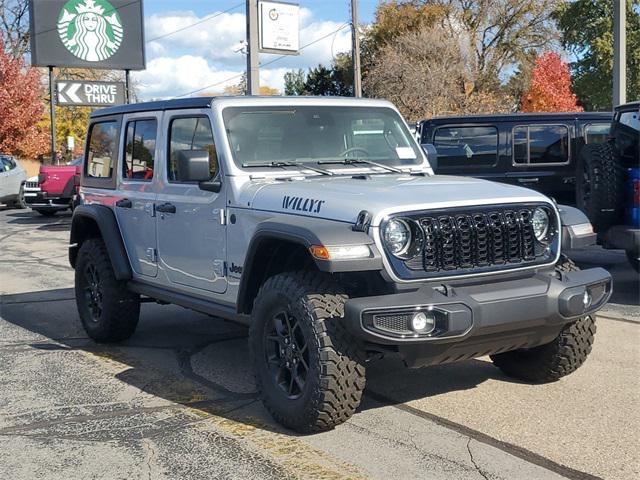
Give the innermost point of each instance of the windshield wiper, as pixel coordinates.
(286, 164)
(354, 161)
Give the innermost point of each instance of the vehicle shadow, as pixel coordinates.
(61, 221)
(204, 363)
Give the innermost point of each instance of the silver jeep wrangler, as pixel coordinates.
(318, 223)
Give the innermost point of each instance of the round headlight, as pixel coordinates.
(540, 222)
(396, 236)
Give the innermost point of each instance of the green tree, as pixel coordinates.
(587, 32)
(294, 82)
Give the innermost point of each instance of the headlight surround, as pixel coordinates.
(402, 237)
(541, 223)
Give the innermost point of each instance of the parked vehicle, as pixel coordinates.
(12, 178)
(318, 223)
(534, 150)
(608, 189)
(55, 189)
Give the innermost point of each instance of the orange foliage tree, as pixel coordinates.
(21, 108)
(550, 88)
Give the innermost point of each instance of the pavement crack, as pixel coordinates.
(151, 453)
(473, 460)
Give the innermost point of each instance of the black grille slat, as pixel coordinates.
(463, 241)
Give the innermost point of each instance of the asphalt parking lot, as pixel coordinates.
(177, 400)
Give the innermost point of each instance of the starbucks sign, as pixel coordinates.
(90, 29)
(87, 33)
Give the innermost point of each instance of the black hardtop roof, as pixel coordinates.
(526, 117)
(195, 102)
(624, 106)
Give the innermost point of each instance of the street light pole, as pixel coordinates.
(619, 52)
(355, 42)
(253, 74)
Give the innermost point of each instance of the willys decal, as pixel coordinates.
(301, 204)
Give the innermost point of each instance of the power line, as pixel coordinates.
(206, 19)
(278, 58)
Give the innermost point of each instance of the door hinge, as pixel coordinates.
(152, 255)
(150, 208)
(221, 215)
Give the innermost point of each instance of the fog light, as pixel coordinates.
(586, 300)
(423, 322)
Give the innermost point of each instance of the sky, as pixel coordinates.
(202, 59)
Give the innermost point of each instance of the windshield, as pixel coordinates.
(313, 135)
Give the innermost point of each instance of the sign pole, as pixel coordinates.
(357, 81)
(127, 86)
(253, 78)
(619, 52)
(52, 114)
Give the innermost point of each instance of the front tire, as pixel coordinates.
(108, 311)
(309, 369)
(550, 362)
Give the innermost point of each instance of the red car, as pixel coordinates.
(55, 189)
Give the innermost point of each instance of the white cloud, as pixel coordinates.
(206, 53)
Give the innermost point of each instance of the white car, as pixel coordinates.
(12, 178)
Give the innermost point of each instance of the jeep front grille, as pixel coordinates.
(474, 240)
(31, 185)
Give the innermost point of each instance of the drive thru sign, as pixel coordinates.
(97, 94)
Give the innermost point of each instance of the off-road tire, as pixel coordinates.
(19, 202)
(600, 185)
(120, 309)
(550, 362)
(336, 374)
(46, 213)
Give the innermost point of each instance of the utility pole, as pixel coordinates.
(52, 113)
(619, 52)
(253, 74)
(355, 43)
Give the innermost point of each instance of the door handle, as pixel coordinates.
(124, 203)
(529, 180)
(166, 208)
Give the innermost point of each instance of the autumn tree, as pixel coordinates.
(240, 88)
(587, 32)
(550, 88)
(21, 107)
(425, 74)
(14, 26)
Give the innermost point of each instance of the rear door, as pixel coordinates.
(191, 221)
(137, 190)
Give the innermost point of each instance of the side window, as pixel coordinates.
(103, 150)
(596, 132)
(466, 146)
(6, 164)
(539, 144)
(140, 150)
(631, 120)
(192, 133)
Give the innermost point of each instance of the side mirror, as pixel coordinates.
(193, 166)
(432, 154)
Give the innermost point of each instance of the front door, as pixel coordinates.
(191, 223)
(137, 177)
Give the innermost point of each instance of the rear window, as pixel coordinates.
(541, 144)
(466, 146)
(103, 150)
(140, 150)
(596, 132)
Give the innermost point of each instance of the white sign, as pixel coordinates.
(279, 27)
(100, 94)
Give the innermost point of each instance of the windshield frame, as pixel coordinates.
(235, 165)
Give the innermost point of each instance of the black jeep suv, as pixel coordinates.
(535, 150)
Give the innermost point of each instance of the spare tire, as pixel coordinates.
(600, 185)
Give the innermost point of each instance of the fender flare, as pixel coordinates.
(99, 220)
(576, 228)
(307, 232)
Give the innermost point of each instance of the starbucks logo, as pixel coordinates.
(90, 29)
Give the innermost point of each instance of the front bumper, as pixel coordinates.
(480, 318)
(623, 237)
